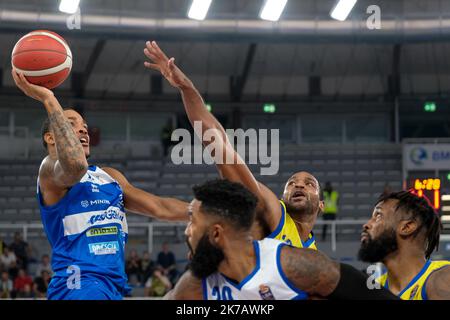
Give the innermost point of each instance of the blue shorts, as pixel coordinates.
(89, 289)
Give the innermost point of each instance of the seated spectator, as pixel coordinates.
(41, 284)
(158, 284)
(147, 266)
(2, 246)
(133, 268)
(166, 260)
(27, 292)
(23, 284)
(44, 265)
(13, 270)
(7, 258)
(21, 250)
(6, 286)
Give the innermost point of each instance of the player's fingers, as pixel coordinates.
(153, 66)
(18, 79)
(158, 50)
(14, 75)
(23, 79)
(171, 64)
(150, 55)
(151, 49)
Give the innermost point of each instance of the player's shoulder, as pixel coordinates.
(188, 287)
(438, 264)
(436, 285)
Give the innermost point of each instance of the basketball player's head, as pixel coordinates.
(79, 126)
(400, 221)
(302, 194)
(221, 212)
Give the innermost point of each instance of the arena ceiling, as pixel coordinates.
(232, 43)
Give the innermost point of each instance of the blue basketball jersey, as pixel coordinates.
(87, 230)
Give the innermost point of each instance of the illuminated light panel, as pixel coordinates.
(445, 197)
(69, 6)
(437, 199)
(272, 10)
(446, 208)
(342, 9)
(199, 9)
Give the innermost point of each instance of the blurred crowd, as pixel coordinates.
(157, 277)
(16, 280)
(24, 277)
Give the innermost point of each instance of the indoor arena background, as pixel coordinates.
(361, 103)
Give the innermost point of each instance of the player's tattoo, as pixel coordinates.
(310, 270)
(68, 147)
(438, 286)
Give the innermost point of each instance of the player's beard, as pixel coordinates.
(308, 208)
(206, 258)
(375, 250)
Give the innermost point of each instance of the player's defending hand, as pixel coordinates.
(33, 91)
(167, 67)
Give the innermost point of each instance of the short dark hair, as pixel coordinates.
(421, 209)
(228, 200)
(46, 128)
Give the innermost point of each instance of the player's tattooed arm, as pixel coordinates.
(310, 271)
(148, 204)
(438, 285)
(188, 287)
(71, 163)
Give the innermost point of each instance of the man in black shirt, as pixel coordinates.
(166, 259)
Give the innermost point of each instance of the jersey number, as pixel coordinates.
(226, 293)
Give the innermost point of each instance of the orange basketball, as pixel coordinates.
(43, 57)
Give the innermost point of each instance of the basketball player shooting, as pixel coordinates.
(291, 219)
(83, 207)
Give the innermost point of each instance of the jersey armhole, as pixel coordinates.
(300, 293)
(40, 199)
(280, 225)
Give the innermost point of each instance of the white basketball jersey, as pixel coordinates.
(266, 282)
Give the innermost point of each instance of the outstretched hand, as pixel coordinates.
(33, 91)
(167, 67)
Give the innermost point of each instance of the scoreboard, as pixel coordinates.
(430, 188)
(437, 190)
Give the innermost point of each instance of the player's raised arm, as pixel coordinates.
(70, 164)
(187, 287)
(230, 165)
(316, 274)
(145, 203)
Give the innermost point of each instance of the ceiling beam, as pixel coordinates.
(238, 85)
(80, 79)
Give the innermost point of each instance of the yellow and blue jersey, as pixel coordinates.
(416, 289)
(287, 232)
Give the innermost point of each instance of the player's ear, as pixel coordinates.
(49, 139)
(216, 234)
(321, 206)
(407, 227)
